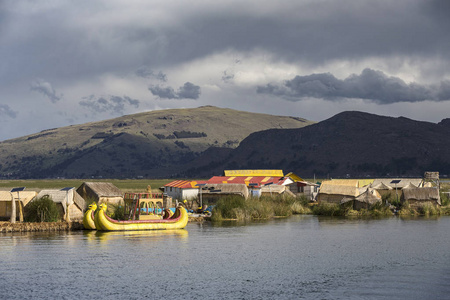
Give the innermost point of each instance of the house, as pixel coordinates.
(393, 187)
(22, 199)
(211, 193)
(421, 196)
(254, 184)
(270, 190)
(182, 189)
(333, 191)
(397, 183)
(253, 173)
(70, 204)
(100, 192)
(366, 199)
(300, 187)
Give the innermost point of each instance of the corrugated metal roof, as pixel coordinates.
(259, 180)
(257, 173)
(184, 184)
(294, 177)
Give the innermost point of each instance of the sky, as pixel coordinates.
(73, 62)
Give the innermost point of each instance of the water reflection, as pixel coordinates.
(302, 257)
(106, 236)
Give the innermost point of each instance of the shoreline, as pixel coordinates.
(8, 227)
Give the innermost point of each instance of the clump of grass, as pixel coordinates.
(346, 210)
(226, 208)
(42, 210)
(407, 210)
(445, 201)
(259, 209)
(428, 210)
(300, 209)
(329, 209)
(266, 207)
(117, 211)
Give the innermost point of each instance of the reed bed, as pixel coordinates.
(237, 208)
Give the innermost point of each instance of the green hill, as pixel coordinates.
(152, 144)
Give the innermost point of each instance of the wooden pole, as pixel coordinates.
(13, 209)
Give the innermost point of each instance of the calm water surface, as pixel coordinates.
(303, 257)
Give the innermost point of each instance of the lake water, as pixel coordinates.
(302, 257)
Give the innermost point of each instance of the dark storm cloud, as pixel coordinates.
(163, 92)
(112, 104)
(314, 31)
(370, 85)
(187, 91)
(146, 72)
(46, 89)
(6, 111)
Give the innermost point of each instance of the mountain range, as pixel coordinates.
(202, 142)
(349, 144)
(152, 144)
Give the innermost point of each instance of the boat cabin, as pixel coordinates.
(143, 206)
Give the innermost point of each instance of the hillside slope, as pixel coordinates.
(349, 144)
(150, 144)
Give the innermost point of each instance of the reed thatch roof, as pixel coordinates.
(370, 196)
(63, 197)
(409, 186)
(226, 189)
(346, 182)
(25, 196)
(276, 189)
(421, 194)
(402, 183)
(381, 186)
(344, 190)
(102, 189)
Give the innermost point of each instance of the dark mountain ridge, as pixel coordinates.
(349, 144)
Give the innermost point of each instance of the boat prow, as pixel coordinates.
(88, 219)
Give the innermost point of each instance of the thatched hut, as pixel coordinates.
(335, 193)
(366, 199)
(409, 186)
(397, 183)
(211, 193)
(70, 204)
(421, 196)
(6, 205)
(101, 192)
(271, 190)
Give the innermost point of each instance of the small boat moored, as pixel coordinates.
(178, 220)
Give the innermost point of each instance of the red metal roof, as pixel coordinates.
(257, 180)
(184, 184)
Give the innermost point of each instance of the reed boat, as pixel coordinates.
(178, 220)
(89, 215)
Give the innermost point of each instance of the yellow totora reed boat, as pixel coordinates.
(88, 219)
(179, 220)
